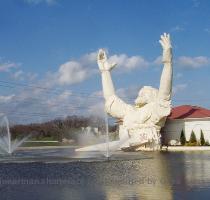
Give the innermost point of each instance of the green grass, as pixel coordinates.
(38, 144)
(43, 139)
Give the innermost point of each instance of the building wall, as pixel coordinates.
(197, 126)
(173, 128)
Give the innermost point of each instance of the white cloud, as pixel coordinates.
(89, 58)
(177, 28)
(6, 99)
(97, 93)
(35, 104)
(48, 2)
(178, 75)
(31, 76)
(7, 66)
(158, 61)
(77, 71)
(56, 103)
(193, 62)
(179, 87)
(71, 72)
(186, 61)
(62, 102)
(128, 94)
(65, 95)
(18, 75)
(97, 109)
(15, 71)
(207, 30)
(129, 63)
(29, 106)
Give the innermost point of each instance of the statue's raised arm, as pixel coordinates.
(113, 104)
(165, 89)
(105, 68)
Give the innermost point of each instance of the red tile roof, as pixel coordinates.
(187, 111)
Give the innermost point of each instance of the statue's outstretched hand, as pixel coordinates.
(167, 48)
(103, 63)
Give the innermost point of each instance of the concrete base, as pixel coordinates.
(186, 148)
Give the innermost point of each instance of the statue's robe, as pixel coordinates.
(140, 125)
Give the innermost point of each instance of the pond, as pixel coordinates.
(56, 174)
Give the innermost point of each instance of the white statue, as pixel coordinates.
(141, 123)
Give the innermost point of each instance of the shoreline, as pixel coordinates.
(46, 147)
(164, 148)
(186, 148)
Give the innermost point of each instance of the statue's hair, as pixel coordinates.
(152, 92)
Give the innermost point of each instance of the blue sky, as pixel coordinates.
(53, 44)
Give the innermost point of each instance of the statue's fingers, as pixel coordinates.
(100, 51)
(99, 54)
(102, 55)
(167, 40)
(164, 41)
(167, 36)
(163, 38)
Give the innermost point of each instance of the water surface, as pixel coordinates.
(54, 174)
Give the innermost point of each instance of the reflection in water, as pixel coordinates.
(197, 167)
(148, 175)
(145, 181)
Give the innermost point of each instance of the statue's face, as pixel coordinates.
(146, 95)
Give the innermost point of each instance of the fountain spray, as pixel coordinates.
(107, 137)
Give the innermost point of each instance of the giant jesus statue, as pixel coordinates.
(142, 122)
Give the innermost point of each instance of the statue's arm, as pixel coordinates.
(165, 89)
(105, 68)
(113, 104)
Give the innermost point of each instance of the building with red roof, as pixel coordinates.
(187, 118)
(187, 111)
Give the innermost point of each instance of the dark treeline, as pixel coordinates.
(58, 128)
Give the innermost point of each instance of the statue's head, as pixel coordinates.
(146, 95)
